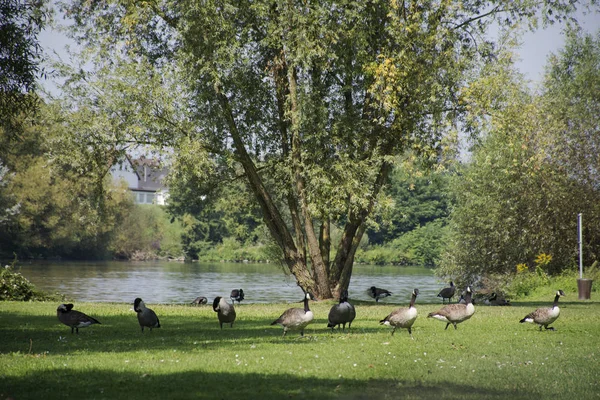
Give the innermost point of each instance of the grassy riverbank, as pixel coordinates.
(489, 356)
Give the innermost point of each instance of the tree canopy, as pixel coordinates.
(534, 171)
(20, 55)
(309, 102)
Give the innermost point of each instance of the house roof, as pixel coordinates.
(149, 172)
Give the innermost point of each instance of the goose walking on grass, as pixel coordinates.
(146, 316)
(296, 319)
(455, 313)
(545, 316)
(447, 293)
(342, 313)
(73, 318)
(225, 311)
(378, 293)
(236, 295)
(403, 317)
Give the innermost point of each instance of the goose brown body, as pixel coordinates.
(73, 318)
(225, 311)
(147, 318)
(342, 313)
(378, 293)
(296, 318)
(237, 295)
(448, 292)
(545, 316)
(455, 313)
(403, 317)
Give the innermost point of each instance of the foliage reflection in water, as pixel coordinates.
(175, 282)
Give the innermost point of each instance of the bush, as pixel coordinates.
(538, 284)
(15, 287)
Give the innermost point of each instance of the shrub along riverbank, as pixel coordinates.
(489, 356)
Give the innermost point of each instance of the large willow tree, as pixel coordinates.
(309, 101)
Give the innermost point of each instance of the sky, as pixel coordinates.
(537, 46)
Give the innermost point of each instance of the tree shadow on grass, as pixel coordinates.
(120, 333)
(101, 384)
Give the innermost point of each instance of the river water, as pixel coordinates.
(176, 282)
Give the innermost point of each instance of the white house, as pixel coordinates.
(145, 179)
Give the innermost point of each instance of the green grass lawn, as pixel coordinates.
(489, 356)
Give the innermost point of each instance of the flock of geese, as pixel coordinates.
(296, 319)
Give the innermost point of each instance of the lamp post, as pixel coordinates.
(584, 286)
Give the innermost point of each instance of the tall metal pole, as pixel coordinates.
(580, 231)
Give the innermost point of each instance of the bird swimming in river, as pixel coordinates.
(455, 313)
(403, 317)
(341, 313)
(225, 311)
(296, 318)
(147, 318)
(73, 318)
(545, 316)
(378, 293)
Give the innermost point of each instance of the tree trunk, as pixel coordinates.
(271, 215)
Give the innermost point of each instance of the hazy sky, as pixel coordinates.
(534, 52)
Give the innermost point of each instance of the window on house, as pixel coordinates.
(149, 198)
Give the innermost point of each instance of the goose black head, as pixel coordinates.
(137, 303)
(63, 308)
(560, 293)
(415, 292)
(216, 303)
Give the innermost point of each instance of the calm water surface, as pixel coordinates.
(174, 282)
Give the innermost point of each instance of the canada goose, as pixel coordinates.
(447, 293)
(455, 313)
(545, 316)
(498, 301)
(74, 319)
(237, 295)
(225, 311)
(200, 300)
(403, 317)
(296, 318)
(342, 313)
(378, 293)
(146, 317)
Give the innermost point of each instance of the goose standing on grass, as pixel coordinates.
(447, 293)
(296, 319)
(200, 300)
(73, 318)
(225, 311)
(237, 295)
(342, 313)
(455, 313)
(403, 317)
(146, 317)
(545, 316)
(378, 293)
